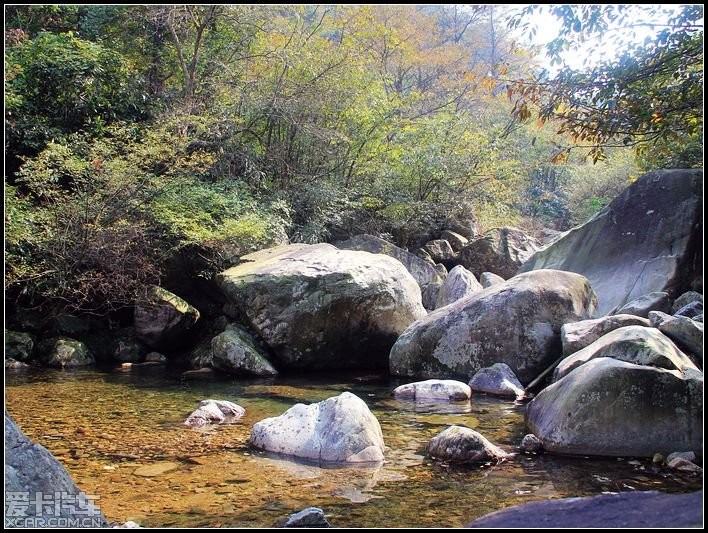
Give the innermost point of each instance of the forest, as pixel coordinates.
(156, 143)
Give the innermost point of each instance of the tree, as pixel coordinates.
(651, 95)
(57, 84)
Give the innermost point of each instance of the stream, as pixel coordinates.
(119, 433)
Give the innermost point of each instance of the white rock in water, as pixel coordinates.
(214, 412)
(340, 429)
(434, 389)
(310, 517)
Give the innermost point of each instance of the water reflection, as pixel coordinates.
(351, 483)
(427, 406)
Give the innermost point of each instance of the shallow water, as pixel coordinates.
(104, 426)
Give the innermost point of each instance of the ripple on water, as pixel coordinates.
(106, 426)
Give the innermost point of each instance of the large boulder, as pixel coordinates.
(577, 335)
(500, 251)
(685, 332)
(487, 279)
(459, 444)
(691, 310)
(340, 429)
(647, 240)
(458, 284)
(642, 306)
(61, 352)
(164, 320)
(318, 307)
(31, 469)
(636, 510)
(433, 389)
(633, 344)
(609, 407)
(18, 346)
(457, 241)
(685, 299)
(440, 251)
(234, 351)
(422, 271)
(516, 322)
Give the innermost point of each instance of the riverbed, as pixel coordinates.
(107, 425)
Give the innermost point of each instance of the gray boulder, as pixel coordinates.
(421, 269)
(500, 250)
(691, 310)
(429, 295)
(531, 443)
(487, 279)
(214, 412)
(517, 322)
(609, 407)
(18, 346)
(441, 270)
(498, 380)
(457, 241)
(684, 461)
(164, 320)
(30, 468)
(637, 510)
(633, 344)
(317, 307)
(440, 251)
(433, 389)
(340, 429)
(642, 306)
(685, 299)
(685, 332)
(234, 351)
(425, 256)
(647, 240)
(60, 352)
(679, 463)
(458, 284)
(463, 445)
(577, 335)
(688, 456)
(310, 517)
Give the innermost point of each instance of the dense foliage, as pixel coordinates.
(649, 96)
(140, 134)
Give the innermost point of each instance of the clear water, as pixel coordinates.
(105, 425)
